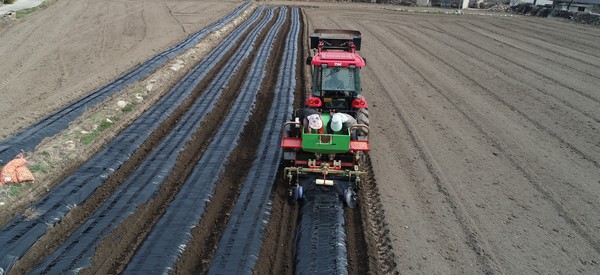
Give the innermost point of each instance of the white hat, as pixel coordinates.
(314, 121)
(336, 122)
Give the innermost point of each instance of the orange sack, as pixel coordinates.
(15, 171)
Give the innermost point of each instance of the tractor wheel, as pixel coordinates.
(350, 198)
(362, 116)
(295, 193)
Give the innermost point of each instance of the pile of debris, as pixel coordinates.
(589, 18)
(579, 17)
(496, 7)
(524, 8)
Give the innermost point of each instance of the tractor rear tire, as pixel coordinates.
(362, 116)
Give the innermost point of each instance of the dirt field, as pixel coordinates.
(45, 66)
(485, 128)
(486, 138)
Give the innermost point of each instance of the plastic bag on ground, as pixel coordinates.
(15, 171)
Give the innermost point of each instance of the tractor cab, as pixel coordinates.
(336, 71)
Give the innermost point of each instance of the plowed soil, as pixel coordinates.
(484, 128)
(485, 138)
(58, 54)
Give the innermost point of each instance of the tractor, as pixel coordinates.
(328, 159)
(336, 73)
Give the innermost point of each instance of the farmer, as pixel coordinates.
(340, 123)
(334, 83)
(312, 122)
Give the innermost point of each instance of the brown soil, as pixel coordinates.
(277, 253)
(124, 240)
(484, 137)
(484, 129)
(60, 53)
(66, 151)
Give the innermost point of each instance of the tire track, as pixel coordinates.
(579, 226)
(32, 60)
(103, 41)
(144, 23)
(584, 155)
(63, 72)
(174, 17)
(478, 245)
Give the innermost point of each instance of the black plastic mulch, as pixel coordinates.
(76, 253)
(169, 236)
(23, 231)
(321, 238)
(239, 246)
(27, 139)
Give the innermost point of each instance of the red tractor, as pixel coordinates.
(336, 73)
(327, 156)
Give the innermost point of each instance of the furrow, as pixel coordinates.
(542, 33)
(239, 246)
(20, 233)
(585, 97)
(29, 138)
(581, 227)
(142, 185)
(582, 153)
(484, 255)
(171, 233)
(569, 63)
(495, 36)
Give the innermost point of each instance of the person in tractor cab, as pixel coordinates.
(334, 83)
(311, 121)
(340, 123)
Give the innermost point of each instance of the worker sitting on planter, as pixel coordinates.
(312, 122)
(340, 124)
